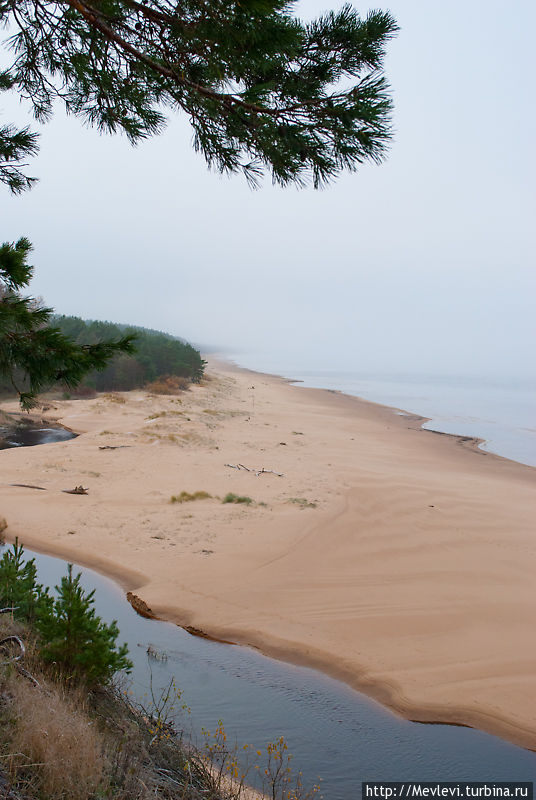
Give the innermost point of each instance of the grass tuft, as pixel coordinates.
(302, 502)
(114, 398)
(236, 498)
(186, 497)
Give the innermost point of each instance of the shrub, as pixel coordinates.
(168, 384)
(82, 392)
(113, 398)
(235, 498)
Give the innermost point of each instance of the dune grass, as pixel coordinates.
(236, 498)
(302, 502)
(186, 497)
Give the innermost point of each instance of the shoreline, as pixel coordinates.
(473, 442)
(222, 613)
(479, 440)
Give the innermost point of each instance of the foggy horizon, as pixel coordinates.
(422, 264)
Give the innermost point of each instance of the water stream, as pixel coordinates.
(333, 732)
(31, 435)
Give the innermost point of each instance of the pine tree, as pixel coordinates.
(262, 90)
(76, 639)
(19, 589)
(33, 353)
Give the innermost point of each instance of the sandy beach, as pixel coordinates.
(398, 560)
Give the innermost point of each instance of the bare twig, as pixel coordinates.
(256, 472)
(271, 471)
(26, 674)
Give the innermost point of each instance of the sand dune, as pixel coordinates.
(398, 560)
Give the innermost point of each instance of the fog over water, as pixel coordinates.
(423, 264)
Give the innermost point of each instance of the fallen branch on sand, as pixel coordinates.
(256, 472)
(76, 490)
(28, 486)
(113, 446)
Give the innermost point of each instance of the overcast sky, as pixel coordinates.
(423, 264)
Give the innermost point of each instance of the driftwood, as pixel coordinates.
(20, 643)
(256, 472)
(28, 486)
(113, 447)
(15, 659)
(25, 674)
(76, 490)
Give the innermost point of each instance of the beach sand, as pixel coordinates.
(398, 560)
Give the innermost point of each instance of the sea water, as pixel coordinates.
(501, 411)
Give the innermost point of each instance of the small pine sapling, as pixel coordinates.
(19, 589)
(76, 639)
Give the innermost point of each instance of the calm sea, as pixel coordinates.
(500, 411)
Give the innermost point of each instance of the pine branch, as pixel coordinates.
(262, 90)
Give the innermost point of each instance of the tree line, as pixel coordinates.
(151, 356)
(155, 355)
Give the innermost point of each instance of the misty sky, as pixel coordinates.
(425, 263)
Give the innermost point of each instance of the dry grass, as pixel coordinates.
(57, 743)
(168, 384)
(54, 747)
(171, 413)
(113, 398)
(302, 502)
(51, 747)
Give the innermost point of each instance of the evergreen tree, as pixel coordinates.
(18, 584)
(261, 88)
(33, 353)
(76, 639)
